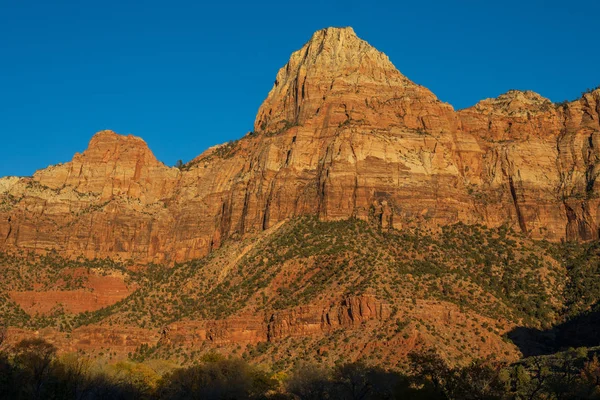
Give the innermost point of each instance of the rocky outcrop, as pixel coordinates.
(341, 134)
(316, 319)
(306, 320)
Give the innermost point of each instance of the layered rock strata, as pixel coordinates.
(341, 134)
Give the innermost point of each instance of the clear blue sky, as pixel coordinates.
(185, 75)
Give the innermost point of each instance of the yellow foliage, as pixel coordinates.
(135, 373)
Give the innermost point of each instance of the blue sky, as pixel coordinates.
(185, 75)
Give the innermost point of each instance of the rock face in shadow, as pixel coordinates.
(341, 134)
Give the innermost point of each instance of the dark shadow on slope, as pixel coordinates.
(580, 331)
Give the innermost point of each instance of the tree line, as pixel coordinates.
(32, 369)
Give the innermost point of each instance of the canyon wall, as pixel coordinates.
(342, 133)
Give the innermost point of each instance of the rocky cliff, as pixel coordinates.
(342, 133)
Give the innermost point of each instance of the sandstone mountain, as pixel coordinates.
(362, 217)
(342, 133)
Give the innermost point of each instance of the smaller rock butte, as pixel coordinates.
(342, 133)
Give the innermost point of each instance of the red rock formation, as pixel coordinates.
(342, 133)
(317, 319)
(312, 319)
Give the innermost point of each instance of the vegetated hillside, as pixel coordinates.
(47, 290)
(579, 325)
(494, 272)
(327, 291)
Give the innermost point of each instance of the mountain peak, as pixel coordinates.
(334, 34)
(334, 62)
(112, 165)
(110, 140)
